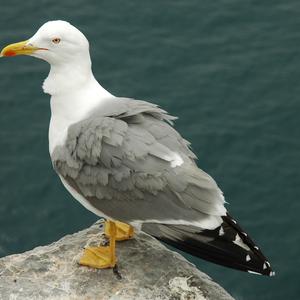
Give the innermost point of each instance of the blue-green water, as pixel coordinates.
(229, 69)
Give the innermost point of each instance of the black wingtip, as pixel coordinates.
(263, 266)
(228, 245)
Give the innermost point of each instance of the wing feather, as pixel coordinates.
(131, 164)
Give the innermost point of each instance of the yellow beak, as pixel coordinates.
(21, 48)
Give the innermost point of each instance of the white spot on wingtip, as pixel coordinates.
(272, 273)
(268, 264)
(264, 266)
(248, 257)
(238, 241)
(255, 247)
(252, 272)
(234, 221)
(244, 233)
(221, 231)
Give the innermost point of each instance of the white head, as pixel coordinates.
(57, 42)
(64, 43)
(65, 48)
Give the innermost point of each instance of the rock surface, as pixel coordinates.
(148, 270)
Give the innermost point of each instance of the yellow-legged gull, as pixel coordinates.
(122, 159)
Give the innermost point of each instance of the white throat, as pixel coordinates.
(74, 94)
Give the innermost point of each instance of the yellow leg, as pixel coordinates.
(123, 231)
(103, 256)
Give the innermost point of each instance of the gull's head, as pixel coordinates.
(57, 42)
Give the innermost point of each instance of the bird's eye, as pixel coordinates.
(56, 40)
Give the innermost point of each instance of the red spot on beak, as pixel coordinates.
(9, 53)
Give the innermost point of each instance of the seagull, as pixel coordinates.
(123, 160)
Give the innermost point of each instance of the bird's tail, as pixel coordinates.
(227, 245)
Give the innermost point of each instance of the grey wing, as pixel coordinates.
(135, 167)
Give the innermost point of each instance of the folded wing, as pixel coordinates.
(128, 162)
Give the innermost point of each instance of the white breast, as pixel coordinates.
(57, 132)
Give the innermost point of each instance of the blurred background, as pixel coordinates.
(229, 69)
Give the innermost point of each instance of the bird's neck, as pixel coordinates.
(74, 94)
(73, 89)
(64, 77)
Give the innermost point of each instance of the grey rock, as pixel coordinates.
(148, 270)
